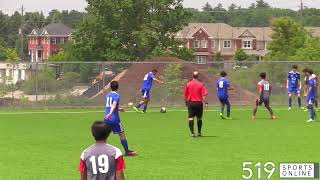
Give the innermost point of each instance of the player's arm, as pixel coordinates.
(83, 175)
(157, 80)
(204, 93)
(82, 169)
(119, 175)
(113, 107)
(229, 86)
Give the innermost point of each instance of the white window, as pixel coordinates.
(53, 40)
(201, 59)
(227, 44)
(212, 44)
(196, 44)
(247, 44)
(203, 44)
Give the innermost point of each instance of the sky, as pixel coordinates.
(9, 6)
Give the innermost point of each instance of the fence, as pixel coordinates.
(84, 84)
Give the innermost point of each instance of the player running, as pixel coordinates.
(310, 94)
(294, 86)
(145, 90)
(112, 117)
(194, 93)
(264, 88)
(101, 161)
(307, 71)
(223, 85)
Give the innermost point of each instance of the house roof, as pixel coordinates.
(225, 31)
(57, 29)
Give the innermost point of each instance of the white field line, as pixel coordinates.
(150, 111)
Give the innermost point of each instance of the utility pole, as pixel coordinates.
(21, 34)
(301, 11)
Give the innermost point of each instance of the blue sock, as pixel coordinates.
(228, 109)
(125, 144)
(299, 101)
(138, 105)
(145, 108)
(311, 112)
(290, 101)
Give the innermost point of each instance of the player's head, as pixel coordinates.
(195, 74)
(154, 71)
(114, 85)
(305, 71)
(100, 131)
(294, 67)
(310, 72)
(263, 75)
(223, 74)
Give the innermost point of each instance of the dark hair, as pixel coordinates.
(195, 75)
(100, 130)
(305, 70)
(114, 85)
(263, 75)
(223, 74)
(294, 67)
(154, 70)
(310, 71)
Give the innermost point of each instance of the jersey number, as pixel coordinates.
(103, 163)
(145, 77)
(220, 84)
(266, 87)
(109, 102)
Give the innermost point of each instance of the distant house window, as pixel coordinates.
(203, 44)
(227, 44)
(201, 59)
(247, 45)
(196, 44)
(212, 44)
(53, 41)
(33, 40)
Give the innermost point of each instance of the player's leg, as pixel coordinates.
(228, 108)
(191, 115)
(310, 107)
(119, 130)
(141, 103)
(289, 99)
(145, 106)
(255, 108)
(267, 105)
(199, 114)
(222, 108)
(299, 99)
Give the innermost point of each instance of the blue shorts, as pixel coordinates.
(224, 99)
(295, 91)
(145, 93)
(116, 126)
(310, 100)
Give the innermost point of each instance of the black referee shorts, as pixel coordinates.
(195, 109)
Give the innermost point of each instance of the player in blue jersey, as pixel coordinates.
(223, 86)
(310, 94)
(112, 117)
(294, 85)
(145, 90)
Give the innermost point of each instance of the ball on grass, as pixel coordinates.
(163, 110)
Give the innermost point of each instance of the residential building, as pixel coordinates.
(11, 73)
(45, 41)
(207, 39)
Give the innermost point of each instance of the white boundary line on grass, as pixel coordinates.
(86, 112)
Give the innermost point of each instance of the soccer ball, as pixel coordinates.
(130, 104)
(163, 110)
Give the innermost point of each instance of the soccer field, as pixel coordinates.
(46, 145)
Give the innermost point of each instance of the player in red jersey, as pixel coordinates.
(264, 88)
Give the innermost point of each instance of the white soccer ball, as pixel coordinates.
(130, 104)
(163, 110)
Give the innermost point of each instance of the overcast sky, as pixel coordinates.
(9, 6)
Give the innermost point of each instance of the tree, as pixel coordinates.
(240, 55)
(261, 4)
(207, 7)
(128, 30)
(288, 36)
(310, 51)
(173, 79)
(232, 7)
(218, 57)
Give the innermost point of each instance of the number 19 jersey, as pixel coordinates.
(101, 161)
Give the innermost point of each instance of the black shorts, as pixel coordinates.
(195, 109)
(263, 100)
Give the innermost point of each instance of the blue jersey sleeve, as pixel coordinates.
(298, 76)
(151, 75)
(116, 99)
(227, 83)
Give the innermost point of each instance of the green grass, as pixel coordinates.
(47, 146)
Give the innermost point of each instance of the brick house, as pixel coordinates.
(207, 39)
(45, 41)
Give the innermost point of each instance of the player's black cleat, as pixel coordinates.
(199, 134)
